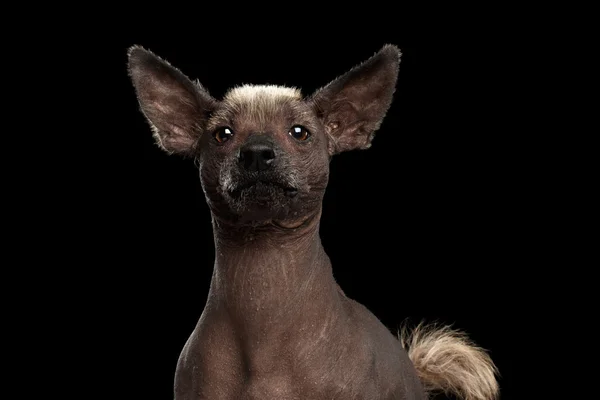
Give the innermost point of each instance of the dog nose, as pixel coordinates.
(257, 155)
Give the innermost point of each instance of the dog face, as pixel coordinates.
(264, 150)
(265, 157)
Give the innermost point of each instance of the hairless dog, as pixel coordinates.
(276, 325)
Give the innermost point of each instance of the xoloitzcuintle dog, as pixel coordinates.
(276, 325)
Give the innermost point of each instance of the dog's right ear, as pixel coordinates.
(174, 106)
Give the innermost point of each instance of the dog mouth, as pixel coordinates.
(260, 188)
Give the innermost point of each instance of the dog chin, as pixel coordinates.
(261, 201)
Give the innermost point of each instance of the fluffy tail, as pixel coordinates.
(447, 361)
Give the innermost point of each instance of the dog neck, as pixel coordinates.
(270, 279)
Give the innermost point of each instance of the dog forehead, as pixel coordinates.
(261, 95)
(261, 103)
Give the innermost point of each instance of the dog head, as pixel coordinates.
(264, 150)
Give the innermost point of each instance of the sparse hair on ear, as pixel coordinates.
(352, 106)
(174, 106)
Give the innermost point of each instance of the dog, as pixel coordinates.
(276, 325)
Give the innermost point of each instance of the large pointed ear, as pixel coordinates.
(353, 106)
(174, 106)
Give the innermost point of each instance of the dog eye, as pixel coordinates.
(223, 134)
(299, 132)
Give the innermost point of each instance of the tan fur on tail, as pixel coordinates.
(447, 361)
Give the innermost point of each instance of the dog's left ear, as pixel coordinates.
(353, 106)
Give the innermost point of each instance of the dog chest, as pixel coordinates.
(270, 387)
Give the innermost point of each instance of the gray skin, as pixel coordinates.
(276, 325)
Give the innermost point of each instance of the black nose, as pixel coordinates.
(257, 155)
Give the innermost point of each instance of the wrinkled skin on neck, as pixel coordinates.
(268, 277)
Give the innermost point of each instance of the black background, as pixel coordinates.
(427, 224)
